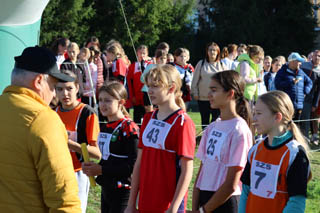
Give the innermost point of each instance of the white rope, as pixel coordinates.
(314, 119)
(132, 43)
(129, 32)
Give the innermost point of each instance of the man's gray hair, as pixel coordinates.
(21, 77)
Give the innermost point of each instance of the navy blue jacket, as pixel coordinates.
(314, 74)
(284, 82)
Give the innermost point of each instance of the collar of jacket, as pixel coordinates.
(25, 91)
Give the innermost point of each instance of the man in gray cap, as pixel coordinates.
(36, 172)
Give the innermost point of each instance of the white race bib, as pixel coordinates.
(264, 178)
(155, 134)
(104, 143)
(214, 144)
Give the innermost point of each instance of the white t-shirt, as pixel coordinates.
(228, 64)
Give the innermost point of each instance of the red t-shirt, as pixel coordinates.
(119, 67)
(160, 169)
(134, 83)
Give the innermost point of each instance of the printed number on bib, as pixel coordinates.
(264, 179)
(104, 142)
(214, 144)
(153, 134)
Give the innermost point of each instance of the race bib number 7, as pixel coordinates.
(264, 179)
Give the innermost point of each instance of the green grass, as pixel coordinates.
(313, 196)
(313, 186)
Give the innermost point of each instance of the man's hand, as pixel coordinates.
(296, 80)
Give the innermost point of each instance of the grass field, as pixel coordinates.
(313, 201)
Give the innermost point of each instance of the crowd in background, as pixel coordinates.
(259, 72)
(229, 85)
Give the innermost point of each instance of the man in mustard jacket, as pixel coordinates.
(36, 172)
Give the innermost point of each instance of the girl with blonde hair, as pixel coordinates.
(164, 165)
(277, 171)
(119, 67)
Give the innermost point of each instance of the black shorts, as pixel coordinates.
(146, 99)
(230, 206)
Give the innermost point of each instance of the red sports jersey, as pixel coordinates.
(119, 67)
(135, 84)
(160, 162)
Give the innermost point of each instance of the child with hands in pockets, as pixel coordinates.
(224, 147)
(277, 171)
(164, 165)
(117, 141)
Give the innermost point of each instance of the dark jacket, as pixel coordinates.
(314, 74)
(284, 81)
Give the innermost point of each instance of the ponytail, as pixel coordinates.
(179, 100)
(231, 80)
(224, 53)
(124, 111)
(297, 135)
(278, 101)
(243, 109)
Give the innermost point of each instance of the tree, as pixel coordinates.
(66, 18)
(149, 21)
(280, 27)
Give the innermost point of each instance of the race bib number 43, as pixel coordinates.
(155, 134)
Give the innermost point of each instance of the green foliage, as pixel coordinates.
(65, 18)
(149, 21)
(280, 27)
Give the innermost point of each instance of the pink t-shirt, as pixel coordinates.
(223, 144)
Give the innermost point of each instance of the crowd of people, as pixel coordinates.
(252, 109)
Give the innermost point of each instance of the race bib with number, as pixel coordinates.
(264, 179)
(214, 144)
(155, 134)
(104, 143)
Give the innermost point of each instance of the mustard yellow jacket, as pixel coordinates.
(36, 171)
